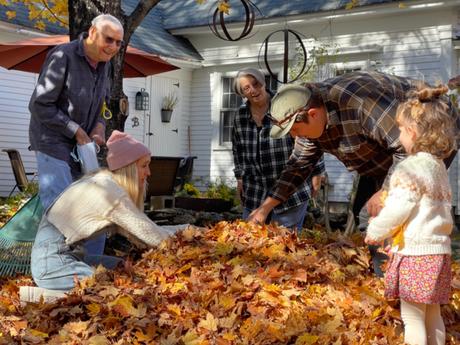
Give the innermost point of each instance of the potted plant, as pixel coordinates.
(217, 198)
(167, 107)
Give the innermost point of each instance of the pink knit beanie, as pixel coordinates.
(123, 150)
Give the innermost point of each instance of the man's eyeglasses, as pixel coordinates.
(111, 40)
(298, 113)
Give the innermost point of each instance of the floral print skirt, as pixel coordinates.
(419, 279)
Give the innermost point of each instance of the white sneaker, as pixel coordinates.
(34, 294)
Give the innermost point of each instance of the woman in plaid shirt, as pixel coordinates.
(260, 159)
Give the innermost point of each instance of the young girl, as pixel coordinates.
(417, 216)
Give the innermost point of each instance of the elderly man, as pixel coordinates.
(67, 101)
(352, 117)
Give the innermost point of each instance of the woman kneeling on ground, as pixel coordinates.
(108, 200)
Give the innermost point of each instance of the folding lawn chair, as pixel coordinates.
(19, 172)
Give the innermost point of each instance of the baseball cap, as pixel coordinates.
(287, 100)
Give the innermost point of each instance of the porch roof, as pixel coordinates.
(187, 13)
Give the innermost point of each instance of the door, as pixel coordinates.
(164, 138)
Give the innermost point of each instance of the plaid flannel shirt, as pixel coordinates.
(259, 161)
(361, 128)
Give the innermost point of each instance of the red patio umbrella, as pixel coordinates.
(29, 55)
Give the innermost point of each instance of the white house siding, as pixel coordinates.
(201, 125)
(413, 44)
(15, 91)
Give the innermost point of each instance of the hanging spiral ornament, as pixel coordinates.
(298, 36)
(219, 28)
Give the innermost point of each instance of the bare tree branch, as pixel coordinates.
(139, 13)
(45, 4)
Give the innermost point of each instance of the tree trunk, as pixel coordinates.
(81, 13)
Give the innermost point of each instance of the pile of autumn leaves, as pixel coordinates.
(235, 283)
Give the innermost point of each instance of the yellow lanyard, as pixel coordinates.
(105, 112)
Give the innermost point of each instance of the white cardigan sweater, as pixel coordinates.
(419, 199)
(89, 205)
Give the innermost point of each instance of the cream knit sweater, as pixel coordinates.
(419, 199)
(89, 205)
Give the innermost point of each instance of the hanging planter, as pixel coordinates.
(286, 33)
(167, 107)
(219, 28)
(166, 115)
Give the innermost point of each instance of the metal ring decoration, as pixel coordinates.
(286, 32)
(218, 19)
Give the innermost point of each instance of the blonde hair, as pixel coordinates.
(429, 110)
(127, 178)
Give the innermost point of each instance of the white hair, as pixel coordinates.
(102, 18)
(253, 72)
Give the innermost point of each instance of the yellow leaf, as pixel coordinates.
(176, 287)
(184, 268)
(210, 323)
(98, 340)
(40, 25)
(224, 6)
(398, 236)
(226, 301)
(174, 308)
(77, 327)
(273, 251)
(402, 5)
(377, 312)
(192, 338)
(229, 336)
(272, 288)
(247, 280)
(200, 2)
(237, 271)
(10, 14)
(306, 339)
(93, 309)
(228, 322)
(124, 306)
(223, 248)
(37, 333)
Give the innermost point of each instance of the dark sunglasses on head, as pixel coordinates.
(111, 40)
(298, 113)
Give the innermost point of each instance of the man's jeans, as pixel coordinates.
(292, 218)
(55, 175)
(54, 263)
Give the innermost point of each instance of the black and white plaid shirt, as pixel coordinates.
(361, 131)
(259, 161)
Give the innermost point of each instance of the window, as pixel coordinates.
(231, 102)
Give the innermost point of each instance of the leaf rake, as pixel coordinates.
(17, 237)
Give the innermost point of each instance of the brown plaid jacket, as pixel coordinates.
(361, 131)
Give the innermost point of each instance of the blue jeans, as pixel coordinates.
(54, 176)
(292, 218)
(54, 263)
